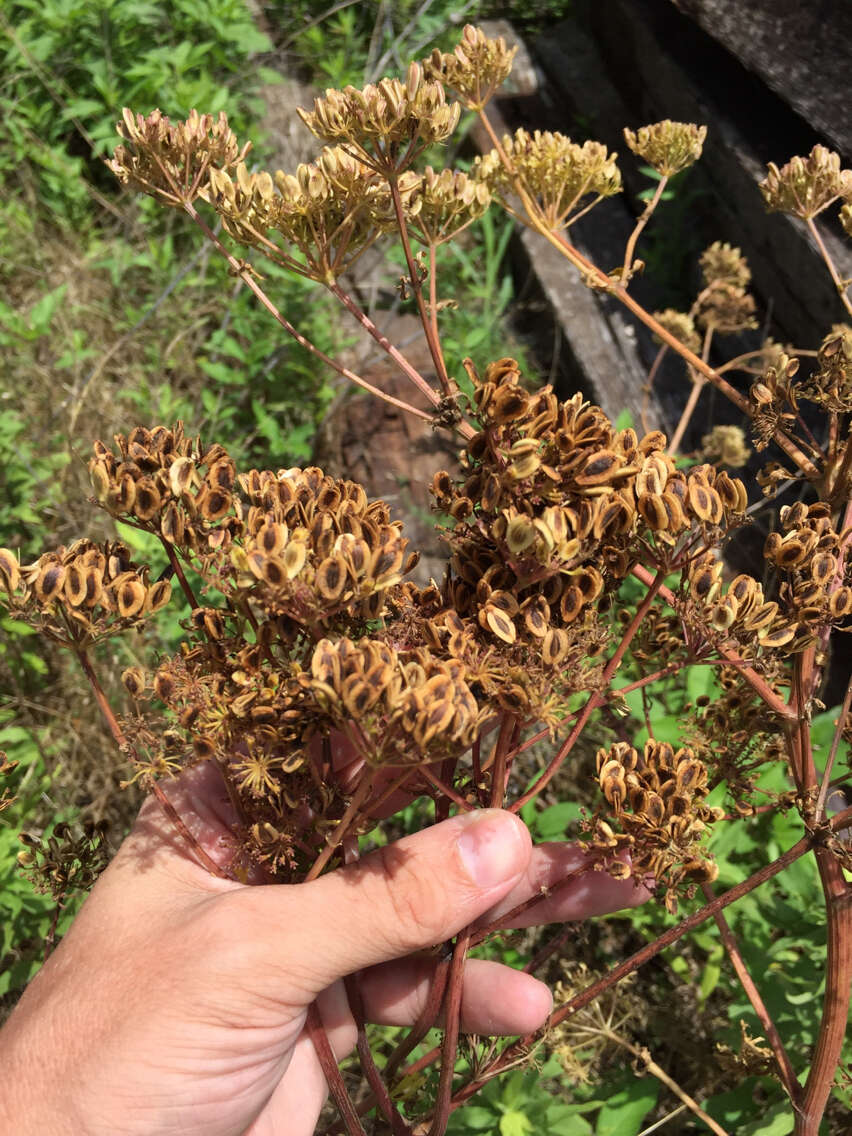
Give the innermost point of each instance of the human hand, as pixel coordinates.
(176, 1003)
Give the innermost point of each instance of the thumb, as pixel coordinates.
(403, 898)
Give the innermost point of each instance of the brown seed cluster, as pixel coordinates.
(172, 161)
(668, 147)
(806, 186)
(475, 68)
(406, 708)
(656, 799)
(830, 383)
(723, 304)
(166, 483)
(67, 860)
(83, 593)
(388, 123)
(774, 399)
(816, 588)
(556, 172)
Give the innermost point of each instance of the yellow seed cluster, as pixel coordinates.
(806, 186)
(668, 147)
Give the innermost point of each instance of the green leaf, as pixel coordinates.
(515, 1124)
(551, 823)
(623, 1113)
(778, 1121)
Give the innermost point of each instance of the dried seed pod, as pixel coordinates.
(134, 681)
(148, 499)
(498, 622)
(158, 596)
(49, 582)
(130, 598)
(599, 469)
(330, 579)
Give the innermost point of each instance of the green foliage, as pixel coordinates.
(70, 65)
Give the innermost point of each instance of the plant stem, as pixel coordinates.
(643, 220)
(839, 284)
(819, 810)
(368, 1064)
(364, 320)
(254, 287)
(417, 290)
(178, 571)
(785, 1068)
(333, 842)
(333, 1076)
(595, 699)
(452, 1010)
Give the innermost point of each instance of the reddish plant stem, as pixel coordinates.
(838, 909)
(432, 339)
(550, 948)
(426, 1020)
(645, 954)
(178, 571)
(452, 1025)
(244, 275)
(785, 1068)
(595, 699)
(507, 919)
(333, 1076)
(499, 770)
(334, 839)
(449, 794)
(368, 1064)
(476, 763)
(364, 320)
(756, 681)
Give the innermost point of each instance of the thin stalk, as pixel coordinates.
(785, 1067)
(417, 290)
(426, 1020)
(643, 220)
(364, 320)
(498, 773)
(699, 382)
(449, 793)
(333, 842)
(121, 741)
(451, 1035)
(254, 287)
(839, 284)
(643, 1055)
(368, 1064)
(649, 383)
(756, 681)
(333, 1076)
(595, 699)
(178, 571)
(819, 810)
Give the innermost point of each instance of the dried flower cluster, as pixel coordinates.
(386, 124)
(475, 69)
(81, 594)
(806, 186)
(172, 161)
(724, 304)
(668, 147)
(656, 800)
(556, 172)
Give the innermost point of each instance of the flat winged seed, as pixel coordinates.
(840, 604)
(75, 585)
(10, 573)
(295, 555)
(653, 511)
(130, 598)
(271, 538)
(172, 524)
(273, 571)
(49, 582)
(330, 578)
(180, 475)
(158, 595)
(776, 637)
(147, 499)
(599, 468)
(499, 623)
(823, 567)
(655, 809)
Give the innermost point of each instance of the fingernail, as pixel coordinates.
(493, 846)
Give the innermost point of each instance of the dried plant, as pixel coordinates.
(305, 634)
